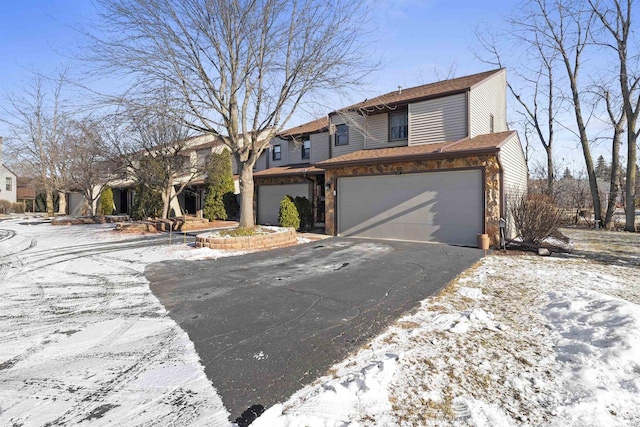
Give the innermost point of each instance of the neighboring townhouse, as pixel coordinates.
(288, 171)
(433, 163)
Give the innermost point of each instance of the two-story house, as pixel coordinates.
(432, 163)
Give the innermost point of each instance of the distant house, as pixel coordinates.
(8, 184)
(8, 181)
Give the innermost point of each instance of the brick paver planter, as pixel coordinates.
(276, 239)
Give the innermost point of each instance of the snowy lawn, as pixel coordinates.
(516, 340)
(83, 341)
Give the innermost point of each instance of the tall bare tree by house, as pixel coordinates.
(564, 27)
(35, 118)
(616, 17)
(154, 150)
(240, 68)
(617, 118)
(538, 100)
(88, 166)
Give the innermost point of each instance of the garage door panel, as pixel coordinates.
(443, 207)
(270, 196)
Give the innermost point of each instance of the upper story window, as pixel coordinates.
(342, 135)
(491, 123)
(306, 149)
(9, 184)
(398, 125)
(277, 152)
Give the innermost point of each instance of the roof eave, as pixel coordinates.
(410, 157)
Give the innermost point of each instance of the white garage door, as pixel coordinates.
(270, 196)
(445, 207)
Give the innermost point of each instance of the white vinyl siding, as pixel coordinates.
(438, 120)
(515, 175)
(377, 135)
(5, 194)
(514, 166)
(355, 122)
(319, 147)
(486, 99)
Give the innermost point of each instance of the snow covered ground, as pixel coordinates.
(83, 341)
(517, 340)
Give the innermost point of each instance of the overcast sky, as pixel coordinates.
(418, 41)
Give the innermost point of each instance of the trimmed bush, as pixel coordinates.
(106, 202)
(535, 217)
(220, 202)
(305, 212)
(288, 214)
(17, 207)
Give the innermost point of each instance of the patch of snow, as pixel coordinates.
(598, 347)
(360, 394)
(83, 339)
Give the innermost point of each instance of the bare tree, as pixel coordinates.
(35, 120)
(564, 27)
(616, 19)
(155, 151)
(538, 98)
(238, 68)
(88, 167)
(617, 119)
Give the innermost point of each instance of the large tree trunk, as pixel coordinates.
(246, 196)
(550, 173)
(614, 183)
(630, 192)
(49, 200)
(166, 202)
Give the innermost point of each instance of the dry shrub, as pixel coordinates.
(535, 216)
(5, 206)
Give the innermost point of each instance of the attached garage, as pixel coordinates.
(270, 196)
(439, 206)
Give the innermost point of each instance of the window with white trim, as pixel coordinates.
(398, 125)
(306, 149)
(342, 135)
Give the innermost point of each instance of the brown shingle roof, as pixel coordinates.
(481, 143)
(299, 169)
(317, 125)
(422, 92)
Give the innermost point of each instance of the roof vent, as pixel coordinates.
(399, 89)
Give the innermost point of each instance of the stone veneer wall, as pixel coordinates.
(488, 162)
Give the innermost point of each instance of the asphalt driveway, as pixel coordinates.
(266, 324)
